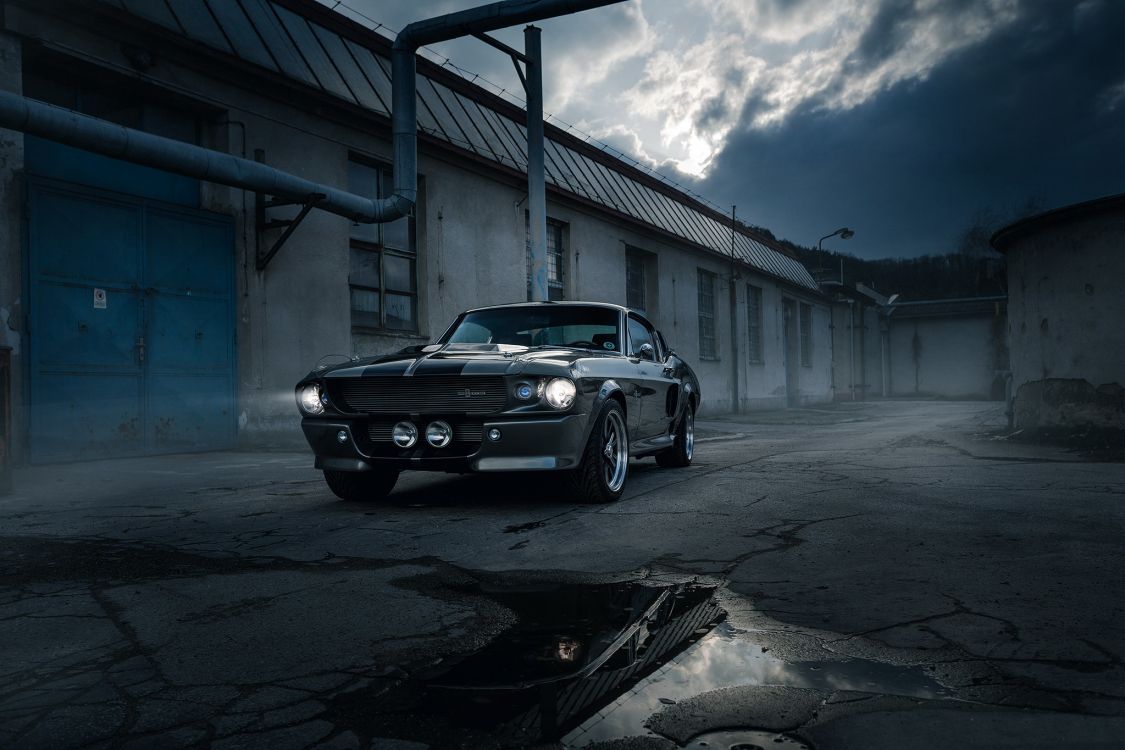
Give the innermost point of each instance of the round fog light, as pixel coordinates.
(342, 436)
(405, 434)
(524, 391)
(494, 434)
(439, 434)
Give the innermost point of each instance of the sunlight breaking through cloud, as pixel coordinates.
(757, 63)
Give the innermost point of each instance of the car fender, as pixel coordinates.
(608, 388)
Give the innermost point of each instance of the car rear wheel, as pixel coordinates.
(361, 486)
(682, 450)
(600, 478)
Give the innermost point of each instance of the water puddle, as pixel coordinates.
(585, 664)
(727, 658)
(574, 650)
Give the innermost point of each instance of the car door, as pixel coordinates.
(651, 380)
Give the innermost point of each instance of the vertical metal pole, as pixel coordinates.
(536, 188)
(733, 319)
(851, 342)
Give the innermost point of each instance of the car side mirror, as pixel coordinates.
(647, 352)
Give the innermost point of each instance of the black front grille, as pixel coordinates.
(463, 432)
(423, 394)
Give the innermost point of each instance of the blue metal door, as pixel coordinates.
(132, 325)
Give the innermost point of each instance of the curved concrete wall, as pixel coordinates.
(1067, 321)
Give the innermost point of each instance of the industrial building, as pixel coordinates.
(150, 312)
(1064, 266)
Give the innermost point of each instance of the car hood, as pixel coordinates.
(461, 359)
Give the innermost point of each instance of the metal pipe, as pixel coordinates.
(106, 138)
(536, 186)
(472, 21)
(734, 369)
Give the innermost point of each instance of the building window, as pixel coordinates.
(806, 335)
(635, 278)
(383, 266)
(555, 259)
(708, 346)
(754, 323)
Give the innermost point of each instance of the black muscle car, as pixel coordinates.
(574, 387)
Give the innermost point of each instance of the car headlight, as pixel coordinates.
(309, 399)
(560, 393)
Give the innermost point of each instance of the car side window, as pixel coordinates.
(639, 335)
(665, 350)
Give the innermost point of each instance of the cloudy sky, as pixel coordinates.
(903, 119)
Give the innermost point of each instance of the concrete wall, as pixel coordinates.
(1066, 313)
(953, 355)
(950, 357)
(470, 245)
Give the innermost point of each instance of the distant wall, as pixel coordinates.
(954, 357)
(949, 348)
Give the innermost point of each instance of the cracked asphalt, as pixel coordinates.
(230, 601)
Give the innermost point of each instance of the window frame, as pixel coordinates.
(557, 229)
(804, 332)
(633, 255)
(711, 354)
(383, 251)
(650, 329)
(755, 348)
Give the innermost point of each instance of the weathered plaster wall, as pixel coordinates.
(1066, 313)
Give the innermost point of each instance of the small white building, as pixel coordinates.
(1066, 315)
(147, 312)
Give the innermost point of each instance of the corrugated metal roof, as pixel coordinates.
(272, 35)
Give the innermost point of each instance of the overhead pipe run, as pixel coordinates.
(108, 139)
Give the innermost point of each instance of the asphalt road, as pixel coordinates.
(892, 575)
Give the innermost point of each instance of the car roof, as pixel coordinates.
(563, 303)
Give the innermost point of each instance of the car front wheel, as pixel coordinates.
(683, 448)
(361, 486)
(600, 477)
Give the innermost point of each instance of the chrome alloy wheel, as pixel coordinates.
(689, 434)
(615, 451)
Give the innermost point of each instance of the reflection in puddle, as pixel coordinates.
(724, 658)
(573, 650)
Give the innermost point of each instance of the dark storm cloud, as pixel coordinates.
(1035, 112)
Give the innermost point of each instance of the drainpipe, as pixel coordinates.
(105, 138)
(733, 319)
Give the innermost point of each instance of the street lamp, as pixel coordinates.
(844, 232)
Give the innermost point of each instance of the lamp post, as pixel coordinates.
(845, 234)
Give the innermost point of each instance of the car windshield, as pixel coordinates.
(547, 325)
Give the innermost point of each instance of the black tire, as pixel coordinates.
(683, 449)
(596, 480)
(361, 486)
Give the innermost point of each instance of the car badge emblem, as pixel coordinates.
(608, 345)
(468, 393)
